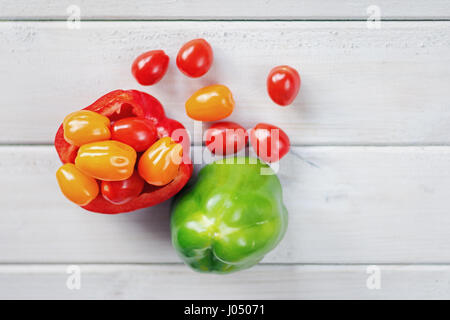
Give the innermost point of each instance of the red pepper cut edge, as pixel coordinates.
(120, 104)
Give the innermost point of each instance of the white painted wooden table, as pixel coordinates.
(367, 181)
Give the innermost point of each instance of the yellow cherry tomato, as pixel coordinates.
(86, 126)
(159, 164)
(106, 160)
(75, 185)
(210, 103)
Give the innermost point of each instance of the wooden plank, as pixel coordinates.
(230, 9)
(360, 86)
(346, 205)
(261, 282)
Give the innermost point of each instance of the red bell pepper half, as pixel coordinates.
(120, 104)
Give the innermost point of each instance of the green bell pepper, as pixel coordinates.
(230, 218)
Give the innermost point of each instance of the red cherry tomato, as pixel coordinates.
(139, 133)
(283, 84)
(195, 58)
(226, 138)
(269, 142)
(150, 67)
(120, 192)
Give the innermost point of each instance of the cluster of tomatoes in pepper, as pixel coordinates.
(122, 153)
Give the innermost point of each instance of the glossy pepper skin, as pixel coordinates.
(121, 104)
(211, 103)
(230, 218)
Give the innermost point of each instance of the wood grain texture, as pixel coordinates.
(262, 282)
(346, 205)
(360, 86)
(230, 9)
(349, 205)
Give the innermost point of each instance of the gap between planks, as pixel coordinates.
(294, 145)
(260, 264)
(419, 19)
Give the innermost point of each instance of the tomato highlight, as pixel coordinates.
(106, 160)
(120, 192)
(269, 142)
(211, 103)
(195, 58)
(120, 104)
(86, 126)
(150, 67)
(160, 163)
(75, 185)
(139, 133)
(283, 85)
(225, 138)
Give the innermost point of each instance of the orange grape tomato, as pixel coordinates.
(75, 185)
(86, 126)
(211, 103)
(106, 160)
(159, 164)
